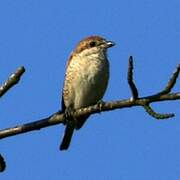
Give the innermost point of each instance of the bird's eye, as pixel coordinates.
(92, 44)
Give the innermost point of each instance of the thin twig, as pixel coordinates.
(156, 115)
(171, 82)
(12, 80)
(131, 83)
(2, 164)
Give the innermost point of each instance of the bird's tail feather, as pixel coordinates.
(67, 137)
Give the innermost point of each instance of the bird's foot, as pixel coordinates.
(100, 104)
(69, 116)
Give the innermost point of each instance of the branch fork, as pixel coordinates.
(165, 91)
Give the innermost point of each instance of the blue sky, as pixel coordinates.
(123, 144)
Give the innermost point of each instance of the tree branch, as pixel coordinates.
(58, 118)
(145, 102)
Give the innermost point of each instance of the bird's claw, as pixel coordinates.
(69, 113)
(69, 116)
(100, 104)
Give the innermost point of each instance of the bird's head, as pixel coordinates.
(93, 45)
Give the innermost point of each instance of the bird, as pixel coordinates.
(86, 80)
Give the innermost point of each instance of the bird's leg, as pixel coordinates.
(100, 104)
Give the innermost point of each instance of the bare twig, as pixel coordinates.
(131, 83)
(156, 115)
(171, 82)
(12, 80)
(2, 164)
(166, 90)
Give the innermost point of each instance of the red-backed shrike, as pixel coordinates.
(85, 82)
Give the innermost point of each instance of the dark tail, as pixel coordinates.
(67, 137)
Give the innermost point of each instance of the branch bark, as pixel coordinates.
(12, 80)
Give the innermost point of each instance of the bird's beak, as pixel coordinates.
(110, 44)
